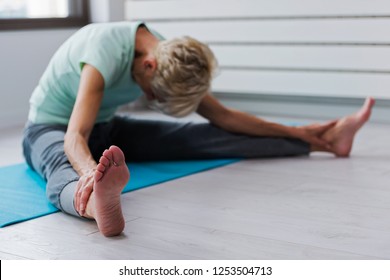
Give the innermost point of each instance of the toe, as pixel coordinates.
(117, 155)
(101, 167)
(108, 155)
(104, 161)
(98, 175)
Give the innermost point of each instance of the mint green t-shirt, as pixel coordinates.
(109, 47)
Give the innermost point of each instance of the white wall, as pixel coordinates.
(106, 10)
(284, 47)
(24, 56)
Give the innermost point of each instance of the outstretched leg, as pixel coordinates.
(341, 136)
(104, 204)
(151, 140)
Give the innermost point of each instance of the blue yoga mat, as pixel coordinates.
(22, 191)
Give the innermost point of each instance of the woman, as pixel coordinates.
(74, 140)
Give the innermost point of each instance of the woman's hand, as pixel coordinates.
(83, 191)
(313, 133)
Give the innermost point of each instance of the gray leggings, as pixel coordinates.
(142, 140)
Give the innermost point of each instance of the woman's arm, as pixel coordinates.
(82, 120)
(240, 122)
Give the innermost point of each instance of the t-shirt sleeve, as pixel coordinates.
(106, 53)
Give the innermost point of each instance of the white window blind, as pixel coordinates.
(282, 47)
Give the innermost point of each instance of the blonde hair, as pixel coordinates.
(185, 68)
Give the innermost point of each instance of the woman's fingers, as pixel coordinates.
(84, 197)
(84, 189)
(319, 142)
(78, 194)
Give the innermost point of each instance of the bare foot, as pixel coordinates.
(341, 136)
(104, 205)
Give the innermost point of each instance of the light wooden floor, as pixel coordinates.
(316, 207)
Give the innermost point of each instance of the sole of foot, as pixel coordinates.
(111, 176)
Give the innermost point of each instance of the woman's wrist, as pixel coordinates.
(294, 132)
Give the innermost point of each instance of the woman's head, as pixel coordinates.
(183, 75)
